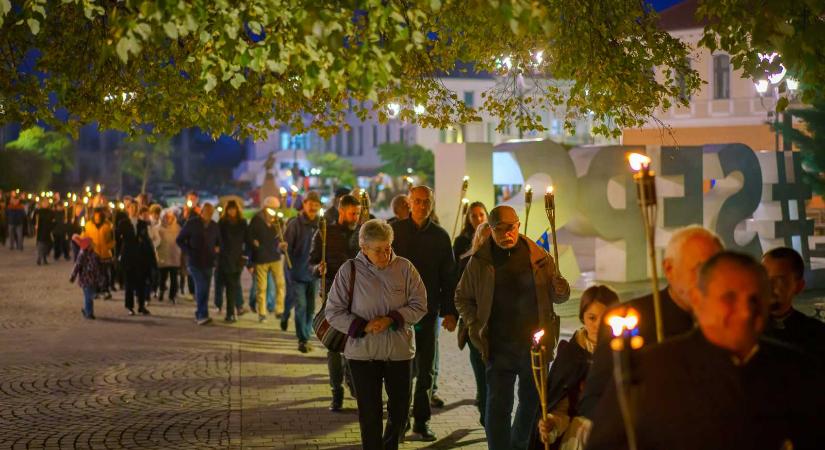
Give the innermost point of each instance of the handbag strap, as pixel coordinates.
(351, 284)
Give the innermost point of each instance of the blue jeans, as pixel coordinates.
(502, 369)
(203, 279)
(88, 300)
(303, 295)
(16, 237)
(270, 294)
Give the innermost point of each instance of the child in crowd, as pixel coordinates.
(88, 272)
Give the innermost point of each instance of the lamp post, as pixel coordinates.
(645, 181)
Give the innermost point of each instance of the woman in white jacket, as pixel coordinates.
(377, 309)
(168, 253)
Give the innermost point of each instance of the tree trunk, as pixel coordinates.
(146, 165)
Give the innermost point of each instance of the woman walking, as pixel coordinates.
(376, 299)
(168, 254)
(231, 257)
(100, 231)
(43, 226)
(563, 428)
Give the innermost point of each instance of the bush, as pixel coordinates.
(24, 170)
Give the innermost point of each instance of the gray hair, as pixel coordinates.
(682, 235)
(375, 230)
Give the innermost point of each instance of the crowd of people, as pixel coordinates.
(739, 367)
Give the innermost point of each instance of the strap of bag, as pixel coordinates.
(351, 284)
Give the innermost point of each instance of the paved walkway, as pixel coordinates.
(163, 382)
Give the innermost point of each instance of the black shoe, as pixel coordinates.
(425, 433)
(144, 311)
(130, 311)
(87, 316)
(337, 403)
(38, 262)
(284, 325)
(173, 300)
(278, 316)
(436, 402)
(303, 348)
(230, 319)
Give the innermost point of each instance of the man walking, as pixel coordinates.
(505, 295)
(342, 245)
(137, 258)
(266, 248)
(200, 242)
(302, 283)
(428, 247)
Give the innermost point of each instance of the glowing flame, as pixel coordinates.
(271, 211)
(638, 161)
(189, 203)
(550, 189)
(618, 323)
(280, 215)
(97, 188)
(294, 188)
(85, 200)
(82, 221)
(528, 188)
(537, 336)
(466, 178)
(321, 212)
(282, 190)
(111, 205)
(121, 205)
(465, 201)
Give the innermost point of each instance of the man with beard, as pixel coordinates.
(342, 245)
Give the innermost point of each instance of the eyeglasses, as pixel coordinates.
(422, 201)
(380, 251)
(504, 228)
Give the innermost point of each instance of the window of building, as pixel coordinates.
(360, 140)
(442, 136)
(375, 135)
(284, 140)
(350, 142)
(469, 97)
(721, 77)
(387, 130)
(339, 142)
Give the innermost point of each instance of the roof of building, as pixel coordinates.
(681, 16)
(466, 70)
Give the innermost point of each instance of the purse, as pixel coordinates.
(332, 339)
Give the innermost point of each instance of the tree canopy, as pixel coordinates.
(55, 148)
(399, 158)
(336, 170)
(246, 67)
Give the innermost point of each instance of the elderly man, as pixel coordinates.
(507, 293)
(719, 386)
(428, 247)
(687, 250)
(200, 241)
(400, 208)
(786, 270)
(267, 249)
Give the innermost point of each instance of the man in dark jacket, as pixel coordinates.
(342, 245)
(266, 249)
(686, 251)
(302, 283)
(720, 386)
(505, 295)
(200, 242)
(231, 258)
(786, 270)
(44, 223)
(428, 247)
(16, 219)
(137, 258)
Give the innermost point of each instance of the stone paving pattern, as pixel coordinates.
(163, 382)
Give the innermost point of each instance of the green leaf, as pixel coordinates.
(211, 82)
(171, 30)
(5, 7)
(34, 25)
(237, 80)
(122, 48)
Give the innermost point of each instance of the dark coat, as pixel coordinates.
(342, 245)
(688, 394)
(45, 221)
(135, 250)
(16, 216)
(198, 240)
(233, 242)
(267, 250)
(675, 320)
(429, 249)
(299, 233)
(800, 331)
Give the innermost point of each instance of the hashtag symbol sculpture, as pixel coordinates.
(791, 190)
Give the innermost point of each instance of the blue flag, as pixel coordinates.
(544, 241)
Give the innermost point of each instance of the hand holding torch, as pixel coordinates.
(528, 200)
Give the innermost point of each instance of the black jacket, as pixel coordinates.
(44, 220)
(135, 249)
(233, 241)
(430, 252)
(800, 331)
(688, 394)
(675, 320)
(198, 240)
(298, 235)
(267, 250)
(342, 245)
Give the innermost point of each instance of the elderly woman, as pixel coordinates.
(375, 299)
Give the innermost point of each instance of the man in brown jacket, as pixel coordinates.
(505, 295)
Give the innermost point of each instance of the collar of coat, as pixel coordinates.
(538, 256)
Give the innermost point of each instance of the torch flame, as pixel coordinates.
(466, 178)
(537, 336)
(528, 188)
(620, 323)
(271, 211)
(282, 190)
(294, 188)
(83, 222)
(465, 200)
(550, 189)
(638, 161)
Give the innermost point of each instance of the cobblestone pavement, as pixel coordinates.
(163, 382)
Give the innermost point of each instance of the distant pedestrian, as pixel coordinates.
(16, 220)
(199, 240)
(137, 257)
(231, 258)
(169, 254)
(89, 274)
(267, 251)
(43, 226)
(60, 232)
(303, 284)
(102, 234)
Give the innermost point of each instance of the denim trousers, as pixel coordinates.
(16, 237)
(203, 280)
(88, 300)
(503, 368)
(303, 295)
